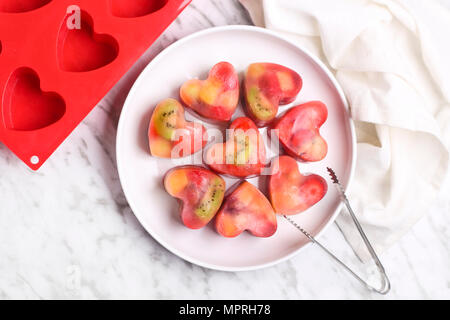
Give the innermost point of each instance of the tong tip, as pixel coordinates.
(333, 175)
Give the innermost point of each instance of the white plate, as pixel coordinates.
(141, 174)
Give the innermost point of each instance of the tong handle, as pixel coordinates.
(386, 285)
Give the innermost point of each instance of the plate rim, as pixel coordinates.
(137, 83)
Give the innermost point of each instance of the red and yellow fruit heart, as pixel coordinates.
(291, 192)
(170, 135)
(298, 131)
(246, 208)
(215, 98)
(200, 191)
(244, 153)
(266, 86)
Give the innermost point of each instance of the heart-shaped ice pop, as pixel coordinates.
(246, 208)
(244, 153)
(200, 190)
(291, 192)
(298, 131)
(170, 135)
(268, 85)
(215, 98)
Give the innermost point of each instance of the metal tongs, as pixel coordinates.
(386, 285)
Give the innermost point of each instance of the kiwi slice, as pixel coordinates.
(259, 105)
(166, 116)
(242, 149)
(212, 199)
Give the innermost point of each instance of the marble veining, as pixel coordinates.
(68, 232)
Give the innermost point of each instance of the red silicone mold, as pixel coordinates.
(51, 76)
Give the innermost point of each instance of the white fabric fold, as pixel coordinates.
(391, 58)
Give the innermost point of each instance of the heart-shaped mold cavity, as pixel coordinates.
(135, 8)
(26, 107)
(17, 6)
(81, 50)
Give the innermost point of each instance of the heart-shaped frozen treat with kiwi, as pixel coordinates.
(291, 192)
(200, 191)
(215, 98)
(243, 155)
(246, 208)
(170, 135)
(266, 86)
(298, 131)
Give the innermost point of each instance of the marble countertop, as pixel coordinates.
(68, 232)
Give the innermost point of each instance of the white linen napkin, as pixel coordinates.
(392, 59)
